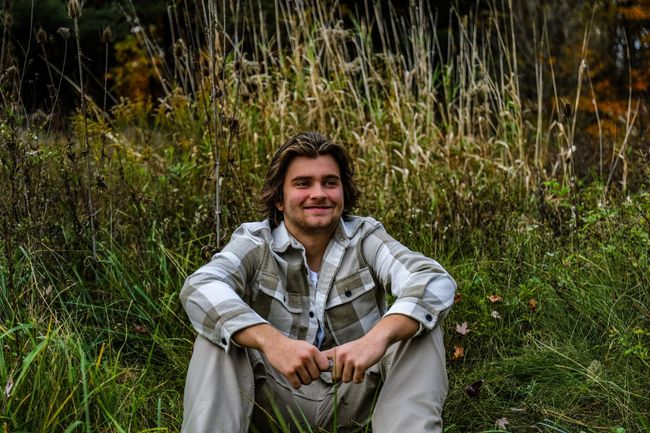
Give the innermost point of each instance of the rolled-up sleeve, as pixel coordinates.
(422, 288)
(213, 296)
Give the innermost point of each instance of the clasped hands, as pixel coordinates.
(301, 362)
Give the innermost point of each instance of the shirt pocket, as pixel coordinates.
(282, 310)
(352, 307)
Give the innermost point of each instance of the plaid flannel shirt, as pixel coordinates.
(261, 276)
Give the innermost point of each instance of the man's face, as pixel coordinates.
(313, 196)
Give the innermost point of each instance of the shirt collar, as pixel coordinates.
(282, 239)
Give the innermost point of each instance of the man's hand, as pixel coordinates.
(351, 360)
(297, 360)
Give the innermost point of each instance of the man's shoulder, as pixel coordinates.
(256, 226)
(359, 226)
(257, 231)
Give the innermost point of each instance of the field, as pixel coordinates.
(533, 203)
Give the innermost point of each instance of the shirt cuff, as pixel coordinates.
(411, 308)
(223, 334)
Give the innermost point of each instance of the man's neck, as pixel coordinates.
(315, 245)
(315, 252)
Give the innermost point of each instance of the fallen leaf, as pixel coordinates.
(8, 387)
(459, 352)
(495, 314)
(494, 298)
(457, 298)
(462, 328)
(474, 389)
(532, 304)
(502, 423)
(127, 376)
(141, 329)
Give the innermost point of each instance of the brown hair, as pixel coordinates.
(312, 145)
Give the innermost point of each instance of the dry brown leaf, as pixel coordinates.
(532, 304)
(457, 298)
(494, 298)
(459, 352)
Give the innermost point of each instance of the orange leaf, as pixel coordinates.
(459, 352)
(532, 304)
(457, 298)
(494, 298)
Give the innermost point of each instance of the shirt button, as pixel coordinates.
(311, 314)
(348, 293)
(429, 317)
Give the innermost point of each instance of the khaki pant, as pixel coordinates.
(230, 393)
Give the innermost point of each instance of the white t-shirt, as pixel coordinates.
(320, 335)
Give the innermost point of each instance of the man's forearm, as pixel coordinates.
(257, 336)
(394, 328)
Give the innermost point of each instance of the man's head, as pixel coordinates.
(310, 145)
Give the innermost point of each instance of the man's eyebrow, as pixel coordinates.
(327, 177)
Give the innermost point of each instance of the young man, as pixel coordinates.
(292, 318)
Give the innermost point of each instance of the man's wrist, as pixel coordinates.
(394, 328)
(257, 337)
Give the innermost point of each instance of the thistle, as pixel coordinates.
(107, 35)
(74, 9)
(41, 36)
(64, 32)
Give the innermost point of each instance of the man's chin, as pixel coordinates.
(321, 226)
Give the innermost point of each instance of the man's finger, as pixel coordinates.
(359, 375)
(313, 370)
(304, 376)
(347, 372)
(294, 380)
(324, 362)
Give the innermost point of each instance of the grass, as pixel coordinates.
(450, 157)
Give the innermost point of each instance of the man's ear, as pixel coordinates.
(279, 206)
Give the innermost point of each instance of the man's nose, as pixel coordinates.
(317, 191)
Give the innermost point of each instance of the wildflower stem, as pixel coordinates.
(86, 142)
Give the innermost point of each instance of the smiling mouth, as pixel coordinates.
(317, 208)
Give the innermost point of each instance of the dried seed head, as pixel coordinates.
(10, 73)
(179, 48)
(567, 109)
(74, 9)
(41, 36)
(64, 32)
(107, 34)
(7, 20)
